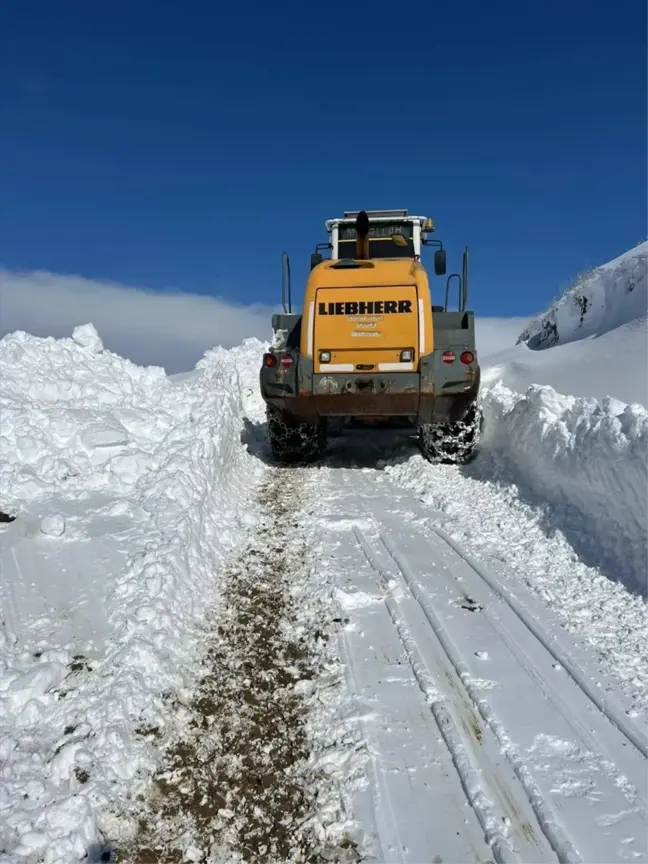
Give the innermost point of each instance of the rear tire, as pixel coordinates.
(453, 442)
(291, 440)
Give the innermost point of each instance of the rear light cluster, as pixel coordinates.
(449, 357)
(325, 356)
(407, 355)
(271, 360)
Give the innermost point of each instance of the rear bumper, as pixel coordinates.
(382, 395)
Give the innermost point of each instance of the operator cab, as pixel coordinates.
(392, 234)
(389, 234)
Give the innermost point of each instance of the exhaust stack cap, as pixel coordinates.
(362, 224)
(362, 230)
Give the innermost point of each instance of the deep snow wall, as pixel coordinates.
(586, 455)
(160, 469)
(589, 458)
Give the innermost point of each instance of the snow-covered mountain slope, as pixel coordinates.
(592, 341)
(614, 364)
(606, 298)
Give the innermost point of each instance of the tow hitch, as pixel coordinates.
(365, 385)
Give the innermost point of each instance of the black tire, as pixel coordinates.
(292, 440)
(454, 442)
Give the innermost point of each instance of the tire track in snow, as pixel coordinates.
(467, 694)
(552, 771)
(495, 801)
(237, 786)
(606, 749)
(608, 709)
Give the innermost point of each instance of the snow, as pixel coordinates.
(605, 299)
(127, 487)
(586, 458)
(482, 686)
(54, 525)
(532, 763)
(614, 363)
(590, 342)
(86, 336)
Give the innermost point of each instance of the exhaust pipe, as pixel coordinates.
(362, 238)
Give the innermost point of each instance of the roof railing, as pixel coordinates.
(350, 214)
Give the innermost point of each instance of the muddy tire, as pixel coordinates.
(293, 441)
(452, 442)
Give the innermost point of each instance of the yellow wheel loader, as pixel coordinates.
(369, 344)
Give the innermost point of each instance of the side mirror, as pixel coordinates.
(440, 262)
(316, 259)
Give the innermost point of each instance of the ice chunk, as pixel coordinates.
(86, 336)
(108, 435)
(53, 525)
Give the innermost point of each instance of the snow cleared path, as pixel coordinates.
(451, 719)
(465, 697)
(242, 777)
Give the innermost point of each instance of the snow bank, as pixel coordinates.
(585, 456)
(588, 454)
(129, 490)
(75, 419)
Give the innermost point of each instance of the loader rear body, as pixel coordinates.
(369, 345)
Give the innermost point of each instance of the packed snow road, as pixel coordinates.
(465, 699)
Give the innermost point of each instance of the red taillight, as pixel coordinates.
(269, 360)
(467, 357)
(448, 357)
(287, 361)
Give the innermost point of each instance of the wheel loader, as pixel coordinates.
(370, 346)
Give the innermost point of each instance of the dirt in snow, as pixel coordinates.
(237, 787)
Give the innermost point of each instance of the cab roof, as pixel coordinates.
(350, 216)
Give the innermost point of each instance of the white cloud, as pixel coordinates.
(158, 328)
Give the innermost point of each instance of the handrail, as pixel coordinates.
(285, 282)
(465, 279)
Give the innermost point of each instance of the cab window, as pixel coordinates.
(380, 243)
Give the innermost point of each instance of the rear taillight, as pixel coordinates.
(287, 361)
(448, 357)
(467, 357)
(269, 360)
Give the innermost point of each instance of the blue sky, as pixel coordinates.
(183, 144)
